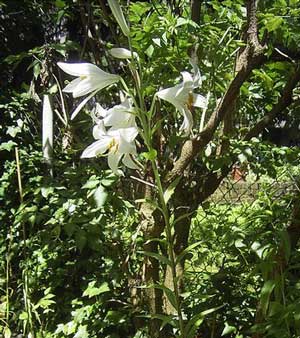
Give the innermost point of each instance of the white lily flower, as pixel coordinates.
(122, 53)
(119, 116)
(90, 79)
(183, 98)
(118, 143)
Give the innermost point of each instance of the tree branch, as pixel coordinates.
(251, 58)
(195, 10)
(284, 101)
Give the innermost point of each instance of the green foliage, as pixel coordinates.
(74, 243)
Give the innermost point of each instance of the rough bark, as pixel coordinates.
(152, 227)
(195, 10)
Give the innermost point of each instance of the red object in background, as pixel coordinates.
(238, 174)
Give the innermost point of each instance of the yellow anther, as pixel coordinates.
(113, 146)
(190, 100)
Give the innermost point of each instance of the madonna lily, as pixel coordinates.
(119, 116)
(90, 79)
(118, 143)
(183, 98)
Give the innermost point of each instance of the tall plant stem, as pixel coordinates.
(27, 302)
(170, 244)
(145, 120)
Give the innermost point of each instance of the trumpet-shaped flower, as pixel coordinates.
(117, 143)
(90, 79)
(183, 98)
(119, 116)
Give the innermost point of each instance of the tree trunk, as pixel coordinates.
(152, 227)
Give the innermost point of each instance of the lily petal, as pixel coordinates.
(72, 85)
(187, 79)
(120, 116)
(99, 130)
(129, 134)
(113, 160)
(187, 124)
(79, 68)
(128, 162)
(96, 148)
(121, 53)
(81, 104)
(199, 101)
(170, 95)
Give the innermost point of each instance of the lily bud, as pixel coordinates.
(121, 53)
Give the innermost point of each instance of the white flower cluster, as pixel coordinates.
(119, 140)
(116, 129)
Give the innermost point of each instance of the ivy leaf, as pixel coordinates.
(93, 291)
(7, 145)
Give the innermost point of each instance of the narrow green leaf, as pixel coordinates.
(186, 251)
(170, 190)
(119, 16)
(194, 323)
(265, 295)
(157, 256)
(170, 295)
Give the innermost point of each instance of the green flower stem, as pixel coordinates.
(147, 135)
(171, 257)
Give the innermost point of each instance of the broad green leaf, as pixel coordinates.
(92, 291)
(150, 155)
(169, 293)
(80, 239)
(91, 183)
(7, 145)
(81, 332)
(273, 23)
(149, 51)
(7, 332)
(100, 196)
(165, 320)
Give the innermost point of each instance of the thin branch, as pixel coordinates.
(284, 101)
